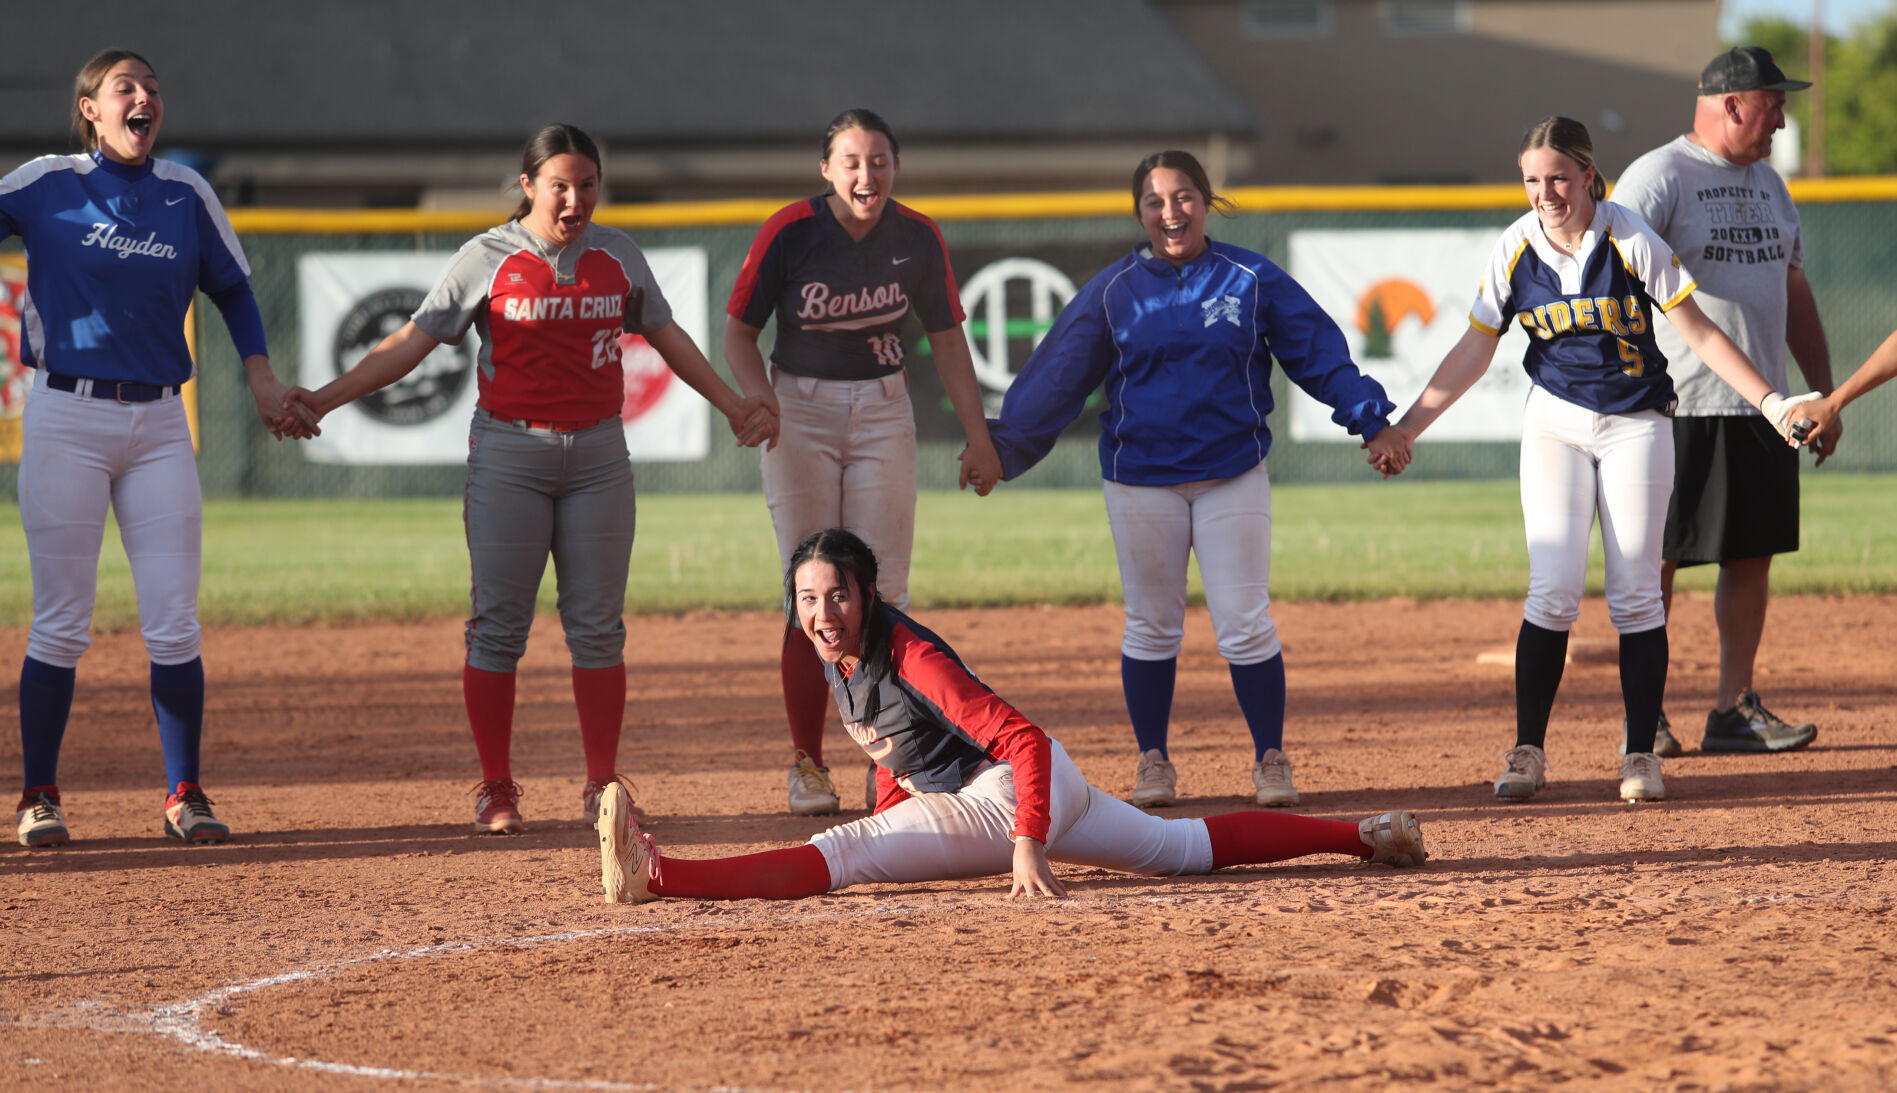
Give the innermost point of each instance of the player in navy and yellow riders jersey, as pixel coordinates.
(550, 292)
(118, 242)
(969, 786)
(1585, 278)
(1182, 331)
(842, 273)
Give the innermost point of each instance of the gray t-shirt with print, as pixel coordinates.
(1736, 230)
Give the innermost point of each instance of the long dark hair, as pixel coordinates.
(856, 563)
(86, 86)
(558, 139)
(859, 118)
(1569, 137)
(1187, 164)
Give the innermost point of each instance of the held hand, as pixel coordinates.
(1781, 411)
(753, 422)
(272, 398)
(981, 466)
(1824, 439)
(1032, 877)
(1390, 450)
(300, 404)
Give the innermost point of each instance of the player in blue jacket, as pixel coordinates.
(1182, 331)
(117, 244)
(1585, 278)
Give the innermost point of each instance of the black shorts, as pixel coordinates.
(1735, 491)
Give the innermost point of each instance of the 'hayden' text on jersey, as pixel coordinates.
(1589, 315)
(840, 302)
(549, 326)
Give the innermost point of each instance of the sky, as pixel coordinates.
(1840, 15)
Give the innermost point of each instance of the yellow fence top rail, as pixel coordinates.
(1074, 203)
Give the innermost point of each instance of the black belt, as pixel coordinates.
(117, 390)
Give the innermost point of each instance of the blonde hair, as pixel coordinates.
(1568, 137)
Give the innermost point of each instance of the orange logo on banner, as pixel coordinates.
(1385, 305)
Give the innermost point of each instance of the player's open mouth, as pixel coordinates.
(865, 198)
(1174, 233)
(140, 124)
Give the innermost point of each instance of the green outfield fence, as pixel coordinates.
(1848, 223)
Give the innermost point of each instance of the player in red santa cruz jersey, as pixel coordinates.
(548, 471)
(842, 272)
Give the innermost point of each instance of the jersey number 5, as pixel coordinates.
(1633, 363)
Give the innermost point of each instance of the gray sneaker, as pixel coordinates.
(1665, 744)
(1155, 783)
(1749, 726)
(1526, 772)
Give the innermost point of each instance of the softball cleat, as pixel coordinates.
(1271, 780)
(812, 793)
(1525, 774)
(40, 819)
(1155, 782)
(188, 816)
(1394, 838)
(497, 808)
(1640, 778)
(627, 855)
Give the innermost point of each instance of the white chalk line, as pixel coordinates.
(183, 1021)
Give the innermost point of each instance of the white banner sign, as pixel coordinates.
(1402, 298)
(349, 302)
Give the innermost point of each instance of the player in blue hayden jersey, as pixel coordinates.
(842, 273)
(1586, 278)
(1183, 331)
(117, 243)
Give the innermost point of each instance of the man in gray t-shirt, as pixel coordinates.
(1723, 209)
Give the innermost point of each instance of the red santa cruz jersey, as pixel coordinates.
(840, 302)
(549, 318)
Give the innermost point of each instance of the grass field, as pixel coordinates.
(302, 561)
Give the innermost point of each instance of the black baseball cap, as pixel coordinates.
(1745, 68)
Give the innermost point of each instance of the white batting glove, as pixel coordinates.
(1777, 407)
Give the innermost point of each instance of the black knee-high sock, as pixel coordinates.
(1643, 658)
(1540, 656)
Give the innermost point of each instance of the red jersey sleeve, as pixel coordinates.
(984, 717)
(761, 279)
(939, 304)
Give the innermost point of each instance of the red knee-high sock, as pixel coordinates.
(1252, 838)
(806, 694)
(490, 700)
(775, 874)
(600, 694)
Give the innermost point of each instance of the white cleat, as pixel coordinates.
(1640, 777)
(1394, 838)
(1525, 774)
(1155, 783)
(1271, 780)
(812, 793)
(626, 854)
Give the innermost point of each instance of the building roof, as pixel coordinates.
(383, 73)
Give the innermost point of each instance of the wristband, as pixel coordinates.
(1026, 839)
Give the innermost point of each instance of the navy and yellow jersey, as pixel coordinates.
(1589, 315)
(931, 725)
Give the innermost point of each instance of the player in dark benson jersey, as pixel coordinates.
(842, 272)
(550, 293)
(1584, 277)
(969, 786)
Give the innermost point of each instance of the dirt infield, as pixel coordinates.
(1740, 935)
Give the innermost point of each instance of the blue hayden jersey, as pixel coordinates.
(114, 255)
(1185, 354)
(1589, 315)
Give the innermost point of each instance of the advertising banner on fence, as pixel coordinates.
(349, 302)
(15, 377)
(1402, 298)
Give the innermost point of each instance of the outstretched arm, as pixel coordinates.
(981, 465)
(393, 357)
(1878, 368)
(747, 366)
(1730, 363)
(751, 421)
(1465, 364)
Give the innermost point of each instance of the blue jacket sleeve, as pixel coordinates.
(238, 305)
(1051, 389)
(1314, 355)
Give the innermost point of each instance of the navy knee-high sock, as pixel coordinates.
(1643, 658)
(1148, 685)
(177, 697)
(45, 704)
(1540, 656)
(1260, 690)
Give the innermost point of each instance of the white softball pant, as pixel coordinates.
(81, 456)
(941, 836)
(1576, 462)
(846, 457)
(1226, 522)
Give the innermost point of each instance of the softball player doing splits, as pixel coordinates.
(842, 272)
(1182, 331)
(117, 243)
(968, 786)
(548, 473)
(1585, 278)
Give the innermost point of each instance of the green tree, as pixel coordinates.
(1860, 88)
